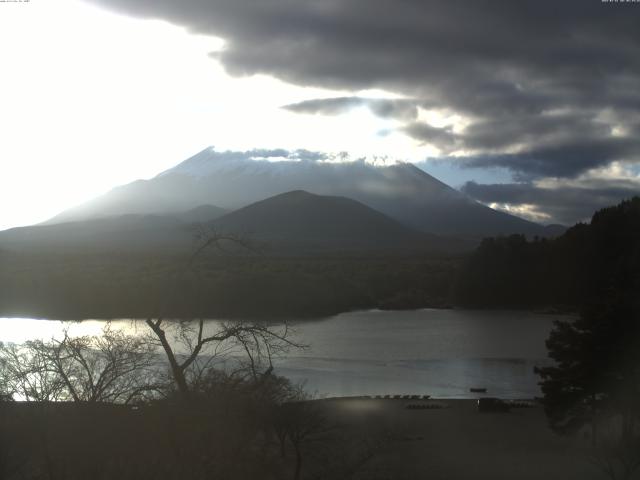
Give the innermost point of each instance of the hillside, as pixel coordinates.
(301, 220)
(132, 233)
(201, 214)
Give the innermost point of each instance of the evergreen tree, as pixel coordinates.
(596, 375)
(597, 365)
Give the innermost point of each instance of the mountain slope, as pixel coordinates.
(121, 233)
(234, 179)
(201, 214)
(299, 219)
(295, 223)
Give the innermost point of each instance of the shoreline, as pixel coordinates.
(458, 442)
(310, 318)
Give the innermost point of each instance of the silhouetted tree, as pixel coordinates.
(596, 380)
(27, 373)
(568, 270)
(299, 422)
(595, 369)
(191, 350)
(596, 376)
(113, 367)
(192, 346)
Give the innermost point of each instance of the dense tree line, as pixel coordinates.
(595, 379)
(75, 286)
(566, 271)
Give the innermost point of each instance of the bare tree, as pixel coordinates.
(26, 373)
(191, 350)
(299, 422)
(112, 367)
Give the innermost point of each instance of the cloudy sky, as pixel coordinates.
(528, 106)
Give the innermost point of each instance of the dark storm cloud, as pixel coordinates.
(399, 109)
(565, 205)
(552, 78)
(563, 159)
(326, 106)
(386, 108)
(443, 138)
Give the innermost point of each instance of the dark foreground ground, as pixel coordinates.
(457, 442)
(359, 439)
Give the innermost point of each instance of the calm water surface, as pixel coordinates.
(438, 352)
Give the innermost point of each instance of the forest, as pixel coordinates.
(78, 286)
(564, 272)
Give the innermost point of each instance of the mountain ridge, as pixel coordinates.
(301, 219)
(292, 223)
(232, 180)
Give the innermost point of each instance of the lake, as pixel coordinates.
(442, 353)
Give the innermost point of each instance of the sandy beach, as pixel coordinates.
(458, 442)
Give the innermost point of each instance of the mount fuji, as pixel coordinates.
(232, 180)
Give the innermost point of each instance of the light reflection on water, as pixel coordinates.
(18, 330)
(442, 353)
